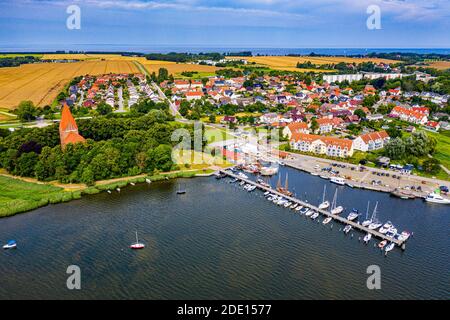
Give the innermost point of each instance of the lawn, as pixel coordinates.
(190, 160)
(19, 196)
(442, 147)
(216, 135)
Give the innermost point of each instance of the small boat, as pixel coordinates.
(242, 183)
(295, 205)
(314, 174)
(347, 228)
(118, 189)
(374, 225)
(404, 236)
(350, 185)
(382, 244)
(243, 176)
(324, 177)
(391, 234)
(353, 215)
(367, 221)
(287, 204)
(337, 210)
(109, 191)
(435, 197)
(389, 247)
(327, 220)
(251, 188)
(269, 171)
(367, 238)
(309, 213)
(132, 183)
(334, 208)
(385, 228)
(315, 215)
(148, 181)
(298, 208)
(137, 245)
(266, 193)
(338, 180)
(181, 190)
(10, 245)
(325, 204)
(304, 210)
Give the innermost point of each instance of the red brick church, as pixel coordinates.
(68, 129)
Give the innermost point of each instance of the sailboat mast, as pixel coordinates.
(367, 211)
(324, 190)
(279, 182)
(137, 241)
(286, 186)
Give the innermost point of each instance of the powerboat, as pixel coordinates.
(338, 180)
(304, 211)
(315, 215)
(382, 244)
(295, 205)
(309, 213)
(389, 247)
(436, 198)
(327, 220)
(347, 228)
(10, 245)
(385, 228)
(374, 225)
(353, 215)
(298, 208)
(404, 236)
(367, 238)
(243, 176)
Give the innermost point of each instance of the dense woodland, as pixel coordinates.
(17, 61)
(116, 146)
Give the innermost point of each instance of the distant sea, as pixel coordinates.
(197, 49)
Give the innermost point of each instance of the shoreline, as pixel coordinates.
(61, 195)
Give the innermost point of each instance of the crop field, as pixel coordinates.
(41, 83)
(290, 63)
(177, 68)
(440, 65)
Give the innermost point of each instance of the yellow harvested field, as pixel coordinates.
(42, 82)
(440, 65)
(176, 68)
(290, 63)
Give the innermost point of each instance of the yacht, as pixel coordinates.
(353, 215)
(347, 228)
(367, 238)
(327, 220)
(367, 221)
(334, 208)
(374, 225)
(337, 210)
(338, 180)
(137, 245)
(436, 198)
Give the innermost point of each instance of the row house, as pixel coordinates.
(295, 127)
(371, 141)
(330, 146)
(409, 115)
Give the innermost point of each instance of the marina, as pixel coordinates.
(347, 222)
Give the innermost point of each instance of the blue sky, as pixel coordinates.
(232, 23)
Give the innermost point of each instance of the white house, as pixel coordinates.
(371, 141)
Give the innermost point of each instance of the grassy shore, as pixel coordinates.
(17, 196)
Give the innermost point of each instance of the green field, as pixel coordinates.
(19, 196)
(442, 147)
(216, 135)
(195, 76)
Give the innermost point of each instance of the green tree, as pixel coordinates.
(314, 125)
(432, 166)
(104, 108)
(26, 111)
(395, 149)
(360, 113)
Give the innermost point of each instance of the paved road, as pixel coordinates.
(162, 95)
(120, 95)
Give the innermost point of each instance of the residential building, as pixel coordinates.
(330, 146)
(371, 141)
(295, 127)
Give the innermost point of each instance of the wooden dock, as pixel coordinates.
(343, 220)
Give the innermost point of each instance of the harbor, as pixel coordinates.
(328, 214)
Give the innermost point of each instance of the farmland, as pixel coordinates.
(41, 83)
(177, 68)
(290, 63)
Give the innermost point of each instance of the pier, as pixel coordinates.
(338, 218)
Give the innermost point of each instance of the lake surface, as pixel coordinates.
(220, 242)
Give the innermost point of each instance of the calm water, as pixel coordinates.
(218, 241)
(198, 49)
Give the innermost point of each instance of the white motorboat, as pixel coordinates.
(267, 193)
(327, 220)
(389, 247)
(287, 204)
(385, 228)
(242, 175)
(294, 206)
(269, 171)
(324, 177)
(348, 228)
(367, 238)
(338, 180)
(10, 245)
(314, 174)
(304, 210)
(391, 234)
(298, 208)
(353, 215)
(241, 183)
(251, 188)
(435, 197)
(404, 236)
(309, 213)
(337, 210)
(315, 215)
